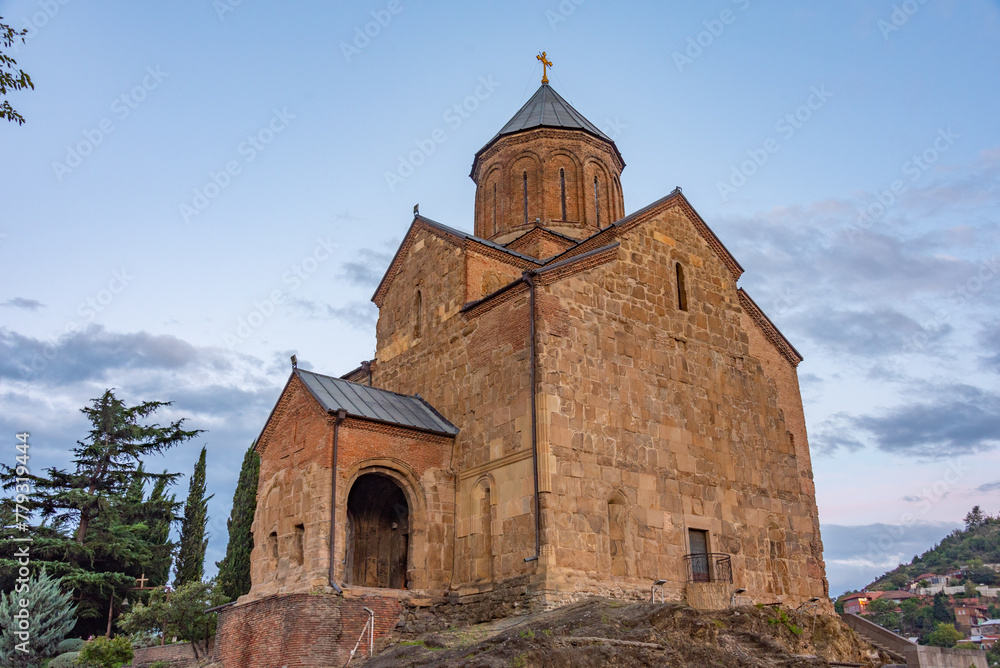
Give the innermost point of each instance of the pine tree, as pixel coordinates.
(234, 569)
(51, 616)
(194, 541)
(151, 518)
(87, 527)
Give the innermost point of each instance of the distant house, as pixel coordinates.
(984, 642)
(856, 603)
(935, 583)
(897, 595)
(988, 627)
(967, 616)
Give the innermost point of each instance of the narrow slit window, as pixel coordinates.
(417, 314)
(524, 188)
(597, 204)
(682, 301)
(494, 208)
(562, 191)
(298, 544)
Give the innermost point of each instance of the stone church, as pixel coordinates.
(568, 400)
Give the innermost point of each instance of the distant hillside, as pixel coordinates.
(977, 544)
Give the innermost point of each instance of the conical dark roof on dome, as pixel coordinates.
(547, 108)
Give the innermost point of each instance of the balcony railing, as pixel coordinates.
(710, 567)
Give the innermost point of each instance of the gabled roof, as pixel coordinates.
(768, 328)
(675, 198)
(897, 595)
(485, 245)
(373, 403)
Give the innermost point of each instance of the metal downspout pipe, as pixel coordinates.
(338, 417)
(528, 277)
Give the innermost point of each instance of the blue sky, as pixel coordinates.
(202, 189)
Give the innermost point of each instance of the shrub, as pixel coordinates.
(65, 660)
(104, 653)
(143, 639)
(50, 616)
(70, 645)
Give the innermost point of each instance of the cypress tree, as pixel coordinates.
(191, 558)
(234, 569)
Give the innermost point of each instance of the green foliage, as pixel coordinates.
(47, 618)
(65, 660)
(191, 558)
(11, 78)
(234, 569)
(975, 518)
(95, 530)
(884, 613)
(181, 613)
(143, 639)
(783, 618)
(977, 544)
(70, 645)
(944, 635)
(942, 613)
(993, 655)
(102, 652)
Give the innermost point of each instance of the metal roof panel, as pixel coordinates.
(373, 403)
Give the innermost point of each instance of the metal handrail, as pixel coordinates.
(709, 567)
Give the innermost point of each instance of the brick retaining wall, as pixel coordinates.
(300, 630)
(178, 655)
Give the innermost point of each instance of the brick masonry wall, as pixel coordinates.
(292, 525)
(300, 630)
(541, 154)
(178, 655)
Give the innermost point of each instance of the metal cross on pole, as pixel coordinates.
(545, 64)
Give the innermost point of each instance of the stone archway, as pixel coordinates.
(378, 533)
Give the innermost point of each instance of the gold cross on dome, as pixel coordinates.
(545, 63)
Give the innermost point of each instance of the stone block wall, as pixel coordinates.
(474, 370)
(668, 413)
(653, 419)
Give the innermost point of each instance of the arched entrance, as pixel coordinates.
(378, 532)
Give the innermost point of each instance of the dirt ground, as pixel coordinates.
(606, 632)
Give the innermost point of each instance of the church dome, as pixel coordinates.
(550, 167)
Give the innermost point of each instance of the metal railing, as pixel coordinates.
(709, 567)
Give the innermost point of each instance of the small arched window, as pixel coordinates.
(418, 314)
(272, 545)
(682, 301)
(562, 191)
(524, 188)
